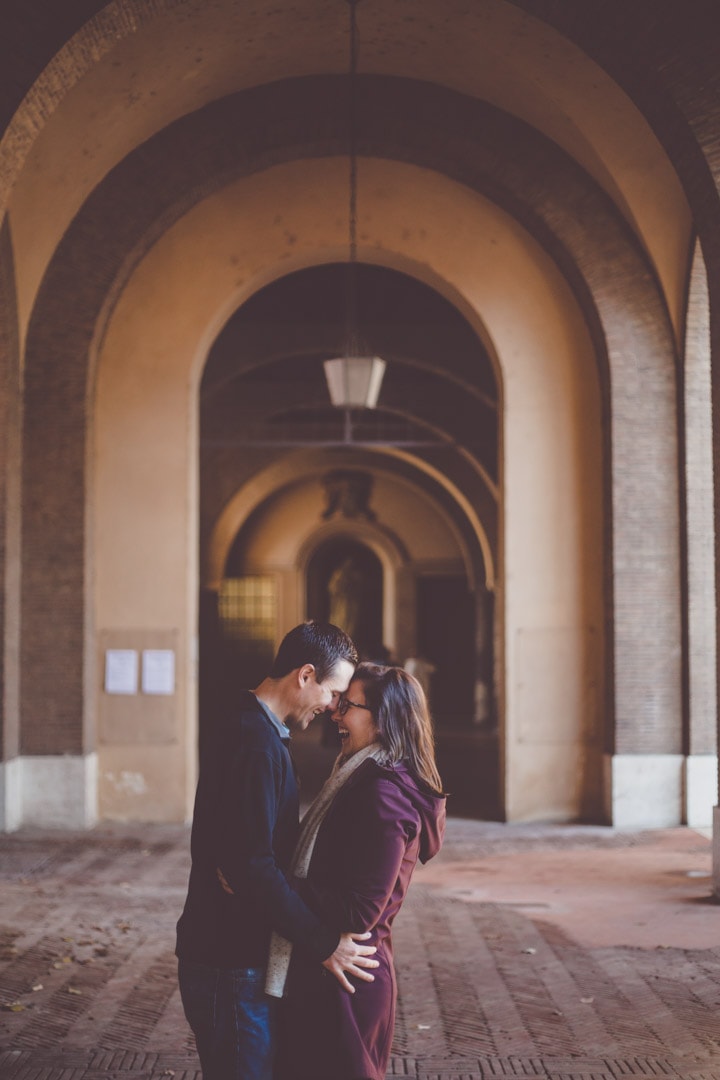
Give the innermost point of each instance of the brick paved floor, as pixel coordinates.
(568, 953)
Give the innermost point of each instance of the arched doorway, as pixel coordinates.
(264, 379)
(345, 586)
(437, 400)
(413, 568)
(264, 404)
(127, 504)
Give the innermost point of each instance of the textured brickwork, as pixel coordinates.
(9, 508)
(34, 33)
(7, 282)
(45, 51)
(665, 57)
(53, 582)
(701, 616)
(486, 989)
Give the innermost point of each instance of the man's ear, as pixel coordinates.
(305, 673)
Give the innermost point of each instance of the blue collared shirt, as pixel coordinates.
(283, 729)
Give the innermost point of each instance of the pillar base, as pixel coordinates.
(644, 791)
(10, 795)
(716, 851)
(659, 791)
(701, 790)
(49, 792)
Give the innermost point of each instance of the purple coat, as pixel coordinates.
(378, 826)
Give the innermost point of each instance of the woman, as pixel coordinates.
(381, 809)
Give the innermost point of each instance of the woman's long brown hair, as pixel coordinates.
(400, 710)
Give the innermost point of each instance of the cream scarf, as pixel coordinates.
(280, 948)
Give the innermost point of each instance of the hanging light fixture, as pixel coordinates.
(353, 380)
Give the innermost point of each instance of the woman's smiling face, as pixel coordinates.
(356, 725)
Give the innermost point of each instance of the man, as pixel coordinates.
(246, 823)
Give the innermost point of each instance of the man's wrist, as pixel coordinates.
(336, 937)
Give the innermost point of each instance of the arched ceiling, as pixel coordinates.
(111, 153)
(263, 383)
(419, 476)
(550, 196)
(131, 71)
(307, 310)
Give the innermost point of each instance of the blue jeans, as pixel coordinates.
(231, 1018)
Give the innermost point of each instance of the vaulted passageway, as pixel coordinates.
(537, 236)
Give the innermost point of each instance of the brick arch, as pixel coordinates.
(664, 59)
(432, 128)
(473, 532)
(42, 63)
(10, 378)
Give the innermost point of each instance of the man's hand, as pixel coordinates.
(351, 958)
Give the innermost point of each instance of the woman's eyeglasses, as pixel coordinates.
(345, 703)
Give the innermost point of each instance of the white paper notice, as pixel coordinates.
(121, 671)
(158, 671)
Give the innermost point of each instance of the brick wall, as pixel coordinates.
(9, 501)
(664, 55)
(701, 616)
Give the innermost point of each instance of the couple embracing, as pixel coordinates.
(284, 946)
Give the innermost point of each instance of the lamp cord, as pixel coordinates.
(352, 120)
(352, 342)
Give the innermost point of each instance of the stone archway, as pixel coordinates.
(603, 295)
(156, 335)
(286, 530)
(56, 704)
(164, 428)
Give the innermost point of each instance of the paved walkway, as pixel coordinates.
(555, 951)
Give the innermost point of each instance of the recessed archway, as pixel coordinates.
(542, 346)
(590, 256)
(607, 207)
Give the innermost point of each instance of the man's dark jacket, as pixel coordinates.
(246, 822)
